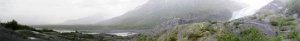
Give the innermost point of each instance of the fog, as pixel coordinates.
(36, 12)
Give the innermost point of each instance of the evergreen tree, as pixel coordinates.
(12, 25)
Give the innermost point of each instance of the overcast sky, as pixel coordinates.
(58, 11)
(35, 12)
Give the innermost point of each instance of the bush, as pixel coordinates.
(227, 36)
(172, 37)
(278, 38)
(199, 30)
(13, 25)
(284, 23)
(45, 30)
(252, 34)
(253, 17)
(294, 36)
(236, 24)
(141, 37)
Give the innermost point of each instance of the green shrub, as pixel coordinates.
(213, 22)
(141, 37)
(285, 23)
(278, 38)
(294, 36)
(200, 30)
(260, 18)
(252, 34)
(236, 24)
(253, 17)
(227, 36)
(172, 37)
(13, 25)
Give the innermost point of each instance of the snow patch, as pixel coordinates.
(252, 7)
(32, 38)
(123, 34)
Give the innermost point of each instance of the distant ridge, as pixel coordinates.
(155, 12)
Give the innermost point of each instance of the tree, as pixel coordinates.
(12, 25)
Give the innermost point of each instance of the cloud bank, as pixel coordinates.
(34, 12)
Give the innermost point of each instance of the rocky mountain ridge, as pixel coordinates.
(155, 12)
(274, 22)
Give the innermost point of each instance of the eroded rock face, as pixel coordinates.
(157, 11)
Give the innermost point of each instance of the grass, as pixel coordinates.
(200, 30)
(194, 32)
(263, 16)
(278, 38)
(142, 37)
(294, 35)
(252, 34)
(253, 17)
(236, 24)
(172, 37)
(284, 23)
(227, 36)
(260, 18)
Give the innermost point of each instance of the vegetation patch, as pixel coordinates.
(278, 38)
(13, 25)
(227, 36)
(172, 37)
(199, 30)
(142, 37)
(294, 35)
(284, 23)
(237, 24)
(252, 34)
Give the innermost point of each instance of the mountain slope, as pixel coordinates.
(85, 21)
(270, 23)
(155, 12)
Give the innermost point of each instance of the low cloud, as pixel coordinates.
(57, 11)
